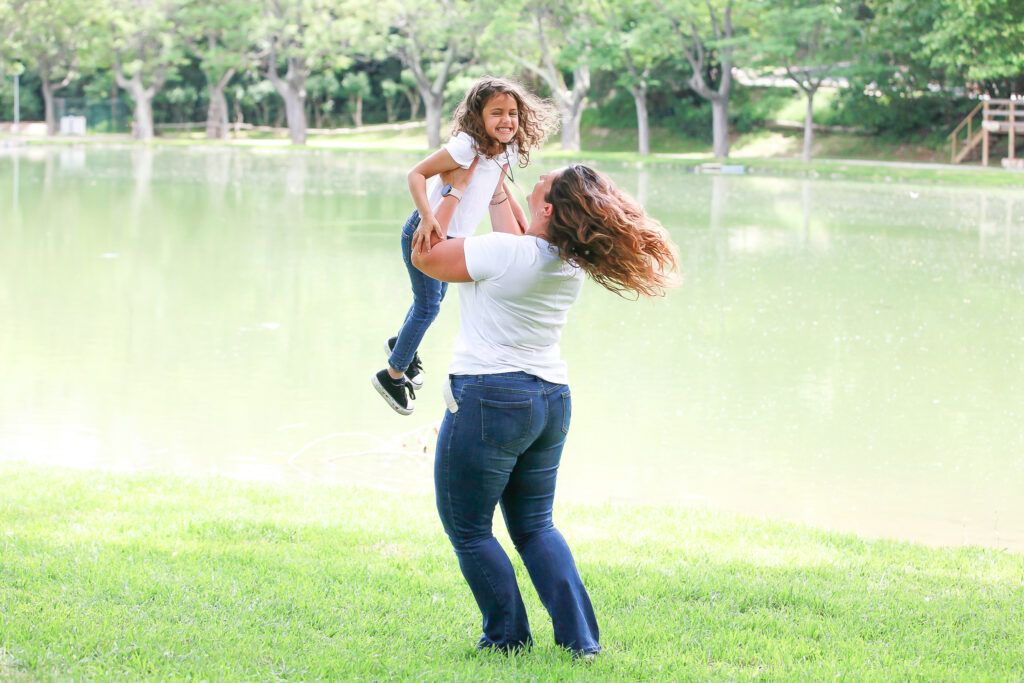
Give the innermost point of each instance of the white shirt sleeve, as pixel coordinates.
(462, 149)
(488, 256)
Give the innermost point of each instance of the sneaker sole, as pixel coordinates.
(417, 382)
(387, 397)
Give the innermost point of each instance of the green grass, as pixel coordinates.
(763, 152)
(111, 576)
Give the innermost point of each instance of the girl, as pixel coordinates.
(494, 128)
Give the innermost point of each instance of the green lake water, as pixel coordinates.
(845, 354)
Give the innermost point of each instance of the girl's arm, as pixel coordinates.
(446, 261)
(438, 162)
(423, 239)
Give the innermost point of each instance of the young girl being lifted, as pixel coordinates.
(494, 128)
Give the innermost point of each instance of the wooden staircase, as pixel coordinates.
(998, 117)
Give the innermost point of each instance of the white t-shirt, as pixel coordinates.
(473, 205)
(513, 313)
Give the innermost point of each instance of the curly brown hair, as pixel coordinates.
(537, 117)
(608, 234)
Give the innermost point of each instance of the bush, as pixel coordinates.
(893, 116)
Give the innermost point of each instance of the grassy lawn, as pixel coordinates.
(114, 576)
(773, 152)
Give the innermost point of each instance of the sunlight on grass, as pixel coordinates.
(117, 576)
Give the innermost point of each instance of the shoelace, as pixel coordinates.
(415, 364)
(409, 388)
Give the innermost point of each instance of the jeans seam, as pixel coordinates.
(490, 582)
(448, 471)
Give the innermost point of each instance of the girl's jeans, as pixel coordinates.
(427, 295)
(503, 446)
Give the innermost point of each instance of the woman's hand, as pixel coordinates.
(459, 178)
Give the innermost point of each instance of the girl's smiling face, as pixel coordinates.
(501, 117)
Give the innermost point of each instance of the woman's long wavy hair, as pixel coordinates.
(537, 117)
(608, 234)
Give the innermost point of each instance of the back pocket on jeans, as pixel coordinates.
(505, 424)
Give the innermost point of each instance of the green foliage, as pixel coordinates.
(914, 54)
(895, 116)
(356, 83)
(979, 39)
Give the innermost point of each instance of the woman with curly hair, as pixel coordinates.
(494, 128)
(508, 398)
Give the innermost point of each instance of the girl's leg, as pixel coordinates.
(427, 294)
(527, 504)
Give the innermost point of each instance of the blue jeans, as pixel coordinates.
(427, 295)
(503, 446)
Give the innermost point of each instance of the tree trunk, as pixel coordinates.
(217, 112)
(413, 95)
(642, 132)
(357, 111)
(572, 113)
(142, 125)
(143, 128)
(295, 113)
(51, 119)
(720, 126)
(809, 125)
(292, 89)
(434, 104)
(389, 106)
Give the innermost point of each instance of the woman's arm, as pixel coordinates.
(445, 262)
(503, 212)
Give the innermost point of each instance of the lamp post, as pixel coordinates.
(17, 103)
(15, 69)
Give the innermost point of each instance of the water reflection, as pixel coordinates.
(842, 354)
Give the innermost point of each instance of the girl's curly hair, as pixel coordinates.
(608, 234)
(537, 117)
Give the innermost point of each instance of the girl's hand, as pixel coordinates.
(430, 225)
(422, 238)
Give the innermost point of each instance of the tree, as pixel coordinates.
(304, 36)
(436, 40)
(708, 49)
(321, 89)
(53, 37)
(219, 36)
(356, 85)
(980, 41)
(810, 41)
(633, 47)
(146, 49)
(556, 38)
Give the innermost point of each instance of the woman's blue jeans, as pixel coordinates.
(503, 446)
(427, 295)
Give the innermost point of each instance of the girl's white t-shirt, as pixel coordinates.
(513, 312)
(474, 203)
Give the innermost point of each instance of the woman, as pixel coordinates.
(509, 404)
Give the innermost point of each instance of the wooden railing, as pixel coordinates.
(968, 122)
(997, 116)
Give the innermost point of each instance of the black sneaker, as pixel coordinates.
(394, 391)
(413, 373)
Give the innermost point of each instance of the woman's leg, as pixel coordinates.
(471, 470)
(427, 294)
(527, 504)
